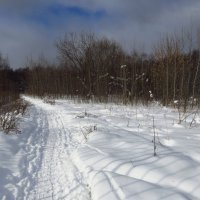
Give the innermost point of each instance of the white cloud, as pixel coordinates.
(129, 21)
(20, 40)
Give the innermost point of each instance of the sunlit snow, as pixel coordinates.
(100, 151)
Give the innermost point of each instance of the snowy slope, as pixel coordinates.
(119, 155)
(100, 151)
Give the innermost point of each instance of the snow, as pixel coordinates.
(100, 151)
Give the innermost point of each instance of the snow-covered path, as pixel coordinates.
(56, 177)
(45, 169)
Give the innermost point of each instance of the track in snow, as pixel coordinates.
(52, 173)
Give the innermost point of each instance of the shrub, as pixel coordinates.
(9, 115)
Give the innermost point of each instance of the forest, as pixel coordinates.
(99, 69)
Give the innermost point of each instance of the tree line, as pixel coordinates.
(9, 86)
(97, 68)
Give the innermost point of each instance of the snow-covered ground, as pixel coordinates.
(100, 151)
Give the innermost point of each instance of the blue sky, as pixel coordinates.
(51, 15)
(31, 28)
